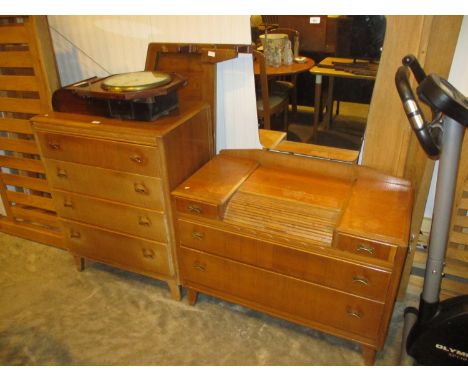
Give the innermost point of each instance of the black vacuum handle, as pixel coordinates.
(412, 109)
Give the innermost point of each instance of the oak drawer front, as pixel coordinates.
(366, 247)
(196, 208)
(282, 294)
(350, 277)
(139, 190)
(108, 154)
(142, 222)
(116, 249)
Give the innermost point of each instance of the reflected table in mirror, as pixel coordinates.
(337, 67)
(288, 70)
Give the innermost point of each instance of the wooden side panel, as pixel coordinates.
(27, 78)
(386, 125)
(440, 34)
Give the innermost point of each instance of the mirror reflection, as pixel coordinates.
(314, 79)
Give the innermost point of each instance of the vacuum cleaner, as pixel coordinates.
(437, 332)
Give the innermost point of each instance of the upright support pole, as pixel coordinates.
(445, 191)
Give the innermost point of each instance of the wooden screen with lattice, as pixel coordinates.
(28, 75)
(455, 282)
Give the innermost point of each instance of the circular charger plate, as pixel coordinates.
(136, 81)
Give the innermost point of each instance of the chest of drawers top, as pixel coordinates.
(136, 132)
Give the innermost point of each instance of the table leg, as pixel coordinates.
(318, 92)
(328, 116)
(294, 95)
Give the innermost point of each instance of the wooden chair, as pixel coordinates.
(272, 99)
(293, 36)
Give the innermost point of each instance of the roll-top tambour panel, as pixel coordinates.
(283, 295)
(366, 247)
(115, 216)
(113, 155)
(344, 275)
(139, 190)
(110, 247)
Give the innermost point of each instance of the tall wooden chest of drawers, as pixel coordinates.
(319, 243)
(111, 183)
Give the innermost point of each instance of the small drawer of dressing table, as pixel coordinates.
(365, 247)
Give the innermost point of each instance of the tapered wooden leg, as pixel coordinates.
(174, 288)
(192, 295)
(79, 263)
(368, 354)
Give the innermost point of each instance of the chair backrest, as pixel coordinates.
(259, 57)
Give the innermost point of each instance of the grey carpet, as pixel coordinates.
(50, 314)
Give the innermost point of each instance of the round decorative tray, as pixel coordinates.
(136, 81)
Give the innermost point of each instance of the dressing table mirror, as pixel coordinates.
(330, 101)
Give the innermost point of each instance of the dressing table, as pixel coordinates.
(312, 241)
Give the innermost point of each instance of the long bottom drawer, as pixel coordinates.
(283, 295)
(134, 254)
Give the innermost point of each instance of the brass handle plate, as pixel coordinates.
(199, 267)
(354, 313)
(194, 209)
(61, 173)
(148, 253)
(197, 235)
(74, 234)
(144, 221)
(140, 188)
(136, 158)
(54, 146)
(360, 280)
(366, 249)
(68, 203)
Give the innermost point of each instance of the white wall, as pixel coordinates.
(88, 46)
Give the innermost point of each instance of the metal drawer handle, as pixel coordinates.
(197, 235)
(354, 313)
(74, 234)
(136, 158)
(148, 253)
(54, 146)
(61, 173)
(140, 188)
(68, 203)
(365, 248)
(199, 267)
(144, 220)
(360, 280)
(194, 209)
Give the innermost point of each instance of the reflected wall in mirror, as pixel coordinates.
(330, 97)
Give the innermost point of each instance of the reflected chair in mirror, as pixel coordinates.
(272, 97)
(293, 36)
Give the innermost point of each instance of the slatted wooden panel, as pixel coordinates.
(455, 282)
(27, 78)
